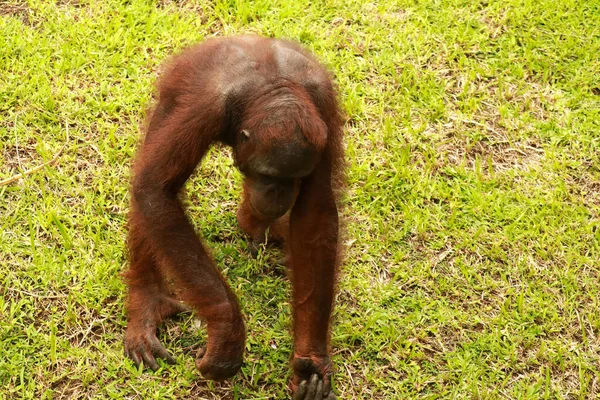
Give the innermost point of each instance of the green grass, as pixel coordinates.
(472, 212)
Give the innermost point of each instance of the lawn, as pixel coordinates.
(472, 209)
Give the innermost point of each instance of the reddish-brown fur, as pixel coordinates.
(209, 93)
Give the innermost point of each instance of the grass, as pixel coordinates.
(472, 212)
